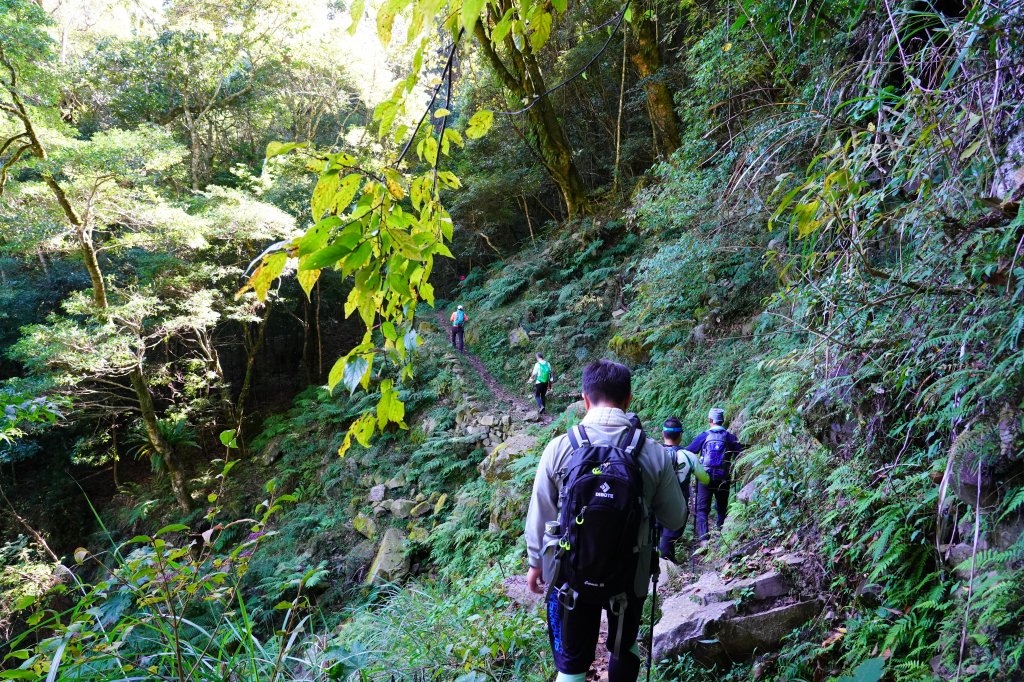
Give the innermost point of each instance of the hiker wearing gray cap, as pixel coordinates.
(717, 449)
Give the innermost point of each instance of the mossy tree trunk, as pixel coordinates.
(81, 223)
(646, 58)
(519, 71)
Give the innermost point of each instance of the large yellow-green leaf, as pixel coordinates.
(502, 28)
(308, 278)
(479, 124)
(269, 270)
(541, 30)
(323, 194)
(471, 13)
(355, 369)
(427, 150)
(278, 148)
(394, 183)
(346, 191)
(385, 22)
(449, 179)
(361, 430)
(329, 255)
(316, 236)
(449, 138)
(357, 259)
(390, 409)
(356, 11)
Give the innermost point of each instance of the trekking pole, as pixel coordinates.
(654, 604)
(693, 543)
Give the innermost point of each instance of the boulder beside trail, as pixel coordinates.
(518, 337)
(576, 411)
(402, 508)
(495, 466)
(377, 493)
(365, 525)
(721, 620)
(422, 508)
(390, 564)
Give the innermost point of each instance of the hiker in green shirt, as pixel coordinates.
(541, 378)
(687, 465)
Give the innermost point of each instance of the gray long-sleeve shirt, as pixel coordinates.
(605, 425)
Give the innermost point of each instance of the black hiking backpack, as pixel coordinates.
(602, 514)
(714, 454)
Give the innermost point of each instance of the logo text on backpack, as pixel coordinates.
(604, 488)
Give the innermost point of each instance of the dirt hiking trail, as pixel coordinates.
(522, 405)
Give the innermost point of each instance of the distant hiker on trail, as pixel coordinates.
(541, 378)
(590, 531)
(458, 329)
(717, 448)
(687, 465)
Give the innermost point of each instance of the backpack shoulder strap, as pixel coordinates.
(713, 437)
(578, 437)
(632, 440)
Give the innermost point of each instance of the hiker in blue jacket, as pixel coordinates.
(717, 449)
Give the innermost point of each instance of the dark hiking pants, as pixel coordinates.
(573, 637)
(667, 545)
(719, 490)
(669, 538)
(458, 337)
(540, 394)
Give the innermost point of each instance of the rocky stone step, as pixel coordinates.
(721, 620)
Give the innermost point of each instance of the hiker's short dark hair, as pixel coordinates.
(605, 381)
(539, 356)
(673, 429)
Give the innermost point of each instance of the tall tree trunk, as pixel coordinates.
(92, 265)
(175, 472)
(252, 349)
(307, 341)
(209, 350)
(195, 145)
(618, 118)
(83, 230)
(557, 154)
(521, 74)
(82, 226)
(646, 58)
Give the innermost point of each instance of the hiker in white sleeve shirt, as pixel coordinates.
(590, 528)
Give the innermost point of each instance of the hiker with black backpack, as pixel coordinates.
(687, 466)
(459, 328)
(590, 528)
(717, 449)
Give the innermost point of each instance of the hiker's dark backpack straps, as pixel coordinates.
(578, 437)
(632, 441)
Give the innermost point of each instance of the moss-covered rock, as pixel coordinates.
(391, 563)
